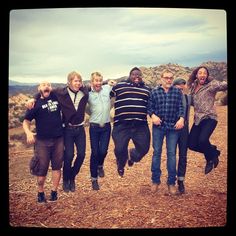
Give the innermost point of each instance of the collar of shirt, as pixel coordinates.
(93, 90)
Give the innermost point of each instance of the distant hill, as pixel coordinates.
(30, 89)
(19, 93)
(15, 83)
(151, 76)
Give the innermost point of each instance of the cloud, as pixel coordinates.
(53, 42)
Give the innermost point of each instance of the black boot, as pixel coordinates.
(121, 172)
(216, 159)
(72, 185)
(181, 187)
(95, 185)
(209, 166)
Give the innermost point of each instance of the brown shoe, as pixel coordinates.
(154, 187)
(172, 189)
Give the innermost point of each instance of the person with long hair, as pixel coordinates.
(203, 90)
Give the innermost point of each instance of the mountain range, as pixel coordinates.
(151, 76)
(19, 93)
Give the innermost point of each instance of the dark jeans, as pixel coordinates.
(183, 148)
(73, 136)
(99, 141)
(199, 138)
(122, 134)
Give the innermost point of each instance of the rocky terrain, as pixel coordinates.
(123, 202)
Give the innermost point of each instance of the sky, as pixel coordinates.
(47, 44)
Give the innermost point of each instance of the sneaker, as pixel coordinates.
(154, 187)
(209, 167)
(172, 189)
(66, 186)
(101, 171)
(53, 196)
(95, 185)
(181, 187)
(130, 163)
(72, 185)
(121, 172)
(41, 197)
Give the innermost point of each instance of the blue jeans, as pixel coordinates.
(99, 141)
(73, 136)
(171, 143)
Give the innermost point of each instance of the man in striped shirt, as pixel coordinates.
(165, 107)
(130, 120)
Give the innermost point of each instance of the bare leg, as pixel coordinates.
(41, 181)
(56, 176)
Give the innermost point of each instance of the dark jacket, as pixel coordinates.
(70, 115)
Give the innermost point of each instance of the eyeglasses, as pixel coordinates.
(166, 78)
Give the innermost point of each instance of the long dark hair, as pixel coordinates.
(192, 77)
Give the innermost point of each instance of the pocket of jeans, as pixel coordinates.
(34, 165)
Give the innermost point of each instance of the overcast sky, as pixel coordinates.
(47, 44)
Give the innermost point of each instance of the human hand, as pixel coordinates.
(30, 137)
(156, 120)
(112, 82)
(180, 123)
(30, 104)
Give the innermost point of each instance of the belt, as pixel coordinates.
(98, 125)
(70, 126)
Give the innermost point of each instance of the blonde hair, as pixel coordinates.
(94, 74)
(72, 75)
(166, 71)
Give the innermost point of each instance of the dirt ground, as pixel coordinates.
(123, 202)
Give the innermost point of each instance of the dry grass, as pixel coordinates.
(123, 202)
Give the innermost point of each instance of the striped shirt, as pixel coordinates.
(131, 101)
(167, 106)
